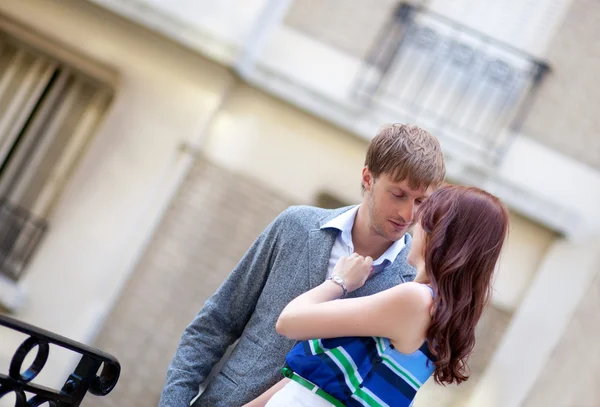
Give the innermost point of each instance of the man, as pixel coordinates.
(295, 253)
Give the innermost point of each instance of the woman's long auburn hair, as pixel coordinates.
(465, 229)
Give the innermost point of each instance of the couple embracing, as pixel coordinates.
(343, 307)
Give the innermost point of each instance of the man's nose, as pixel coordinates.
(407, 212)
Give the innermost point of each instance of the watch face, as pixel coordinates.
(338, 279)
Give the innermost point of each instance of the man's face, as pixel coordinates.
(392, 204)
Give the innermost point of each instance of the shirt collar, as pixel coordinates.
(344, 224)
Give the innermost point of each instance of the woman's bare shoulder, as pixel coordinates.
(413, 294)
(411, 311)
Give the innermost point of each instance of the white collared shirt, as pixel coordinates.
(343, 245)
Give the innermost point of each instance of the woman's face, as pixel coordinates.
(415, 256)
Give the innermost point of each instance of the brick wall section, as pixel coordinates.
(565, 114)
(210, 224)
(572, 374)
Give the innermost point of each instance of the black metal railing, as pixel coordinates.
(84, 378)
(462, 84)
(20, 234)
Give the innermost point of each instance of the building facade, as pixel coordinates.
(148, 143)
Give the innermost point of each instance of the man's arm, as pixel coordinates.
(220, 322)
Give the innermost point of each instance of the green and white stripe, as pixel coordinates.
(353, 378)
(316, 346)
(372, 401)
(395, 367)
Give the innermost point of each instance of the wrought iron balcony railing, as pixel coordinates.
(84, 378)
(467, 87)
(20, 234)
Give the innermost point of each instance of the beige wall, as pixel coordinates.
(570, 376)
(349, 26)
(565, 113)
(285, 148)
(525, 249)
(115, 196)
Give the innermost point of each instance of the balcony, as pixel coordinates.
(468, 88)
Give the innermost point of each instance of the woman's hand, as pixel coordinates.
(354, 270)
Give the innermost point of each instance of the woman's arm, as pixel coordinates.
(264, 398)
(389, 313)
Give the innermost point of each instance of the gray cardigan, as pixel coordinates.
(290, 257)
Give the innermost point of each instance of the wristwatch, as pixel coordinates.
(340, 281)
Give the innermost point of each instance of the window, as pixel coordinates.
(48, 111)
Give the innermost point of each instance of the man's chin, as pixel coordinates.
(395, 235)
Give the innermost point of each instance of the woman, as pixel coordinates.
(383, 347)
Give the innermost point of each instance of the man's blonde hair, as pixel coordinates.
(407, 152)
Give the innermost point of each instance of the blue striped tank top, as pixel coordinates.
(362, 371)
